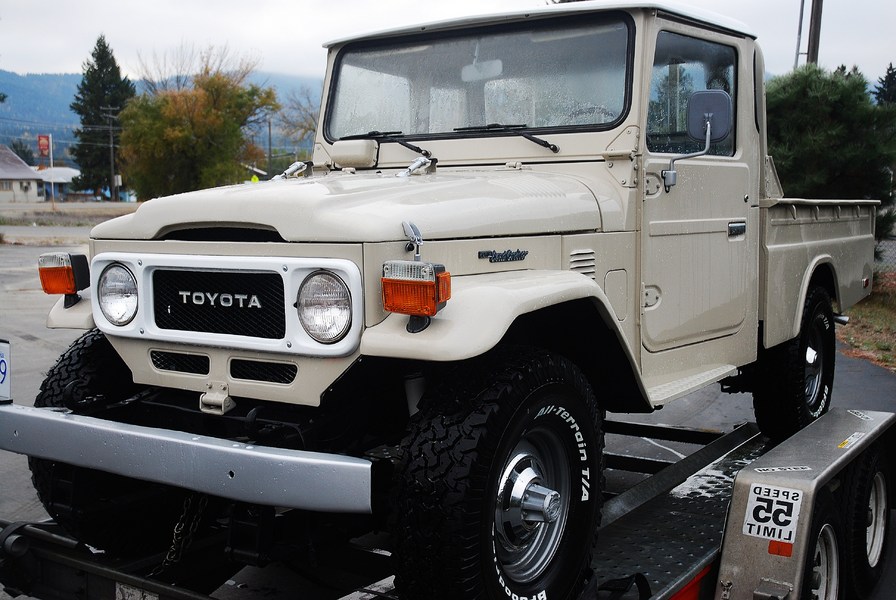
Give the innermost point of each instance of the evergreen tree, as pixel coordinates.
(829, 140)
(101, 95)
(885, 90)
(23, 151)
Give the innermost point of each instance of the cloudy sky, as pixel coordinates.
(56, 36)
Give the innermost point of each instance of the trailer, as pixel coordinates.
(739, 517)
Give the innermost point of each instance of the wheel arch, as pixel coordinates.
(564, 312)
(820, 272)
(599, 352)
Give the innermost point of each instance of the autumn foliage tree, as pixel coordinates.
(187, 137)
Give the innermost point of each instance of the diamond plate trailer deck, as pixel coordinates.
(674, 527)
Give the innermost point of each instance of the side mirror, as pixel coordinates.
(710, 108)
(710, 118)
(481, 70)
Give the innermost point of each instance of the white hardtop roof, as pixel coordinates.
(566, 8)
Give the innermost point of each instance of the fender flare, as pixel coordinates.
(785, 326)
(481, 311)
(808, 277)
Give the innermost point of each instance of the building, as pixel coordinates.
(18, 181)
(57, 182)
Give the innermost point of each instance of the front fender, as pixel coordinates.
(481, 310)
(79, 316)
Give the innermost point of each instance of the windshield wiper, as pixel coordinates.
(391, 136)
(512, 129)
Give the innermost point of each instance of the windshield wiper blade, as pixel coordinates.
(513, 129)
(391, 136)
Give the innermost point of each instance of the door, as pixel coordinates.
(695, 236)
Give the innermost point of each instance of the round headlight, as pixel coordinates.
(325, 307)
(117, 294)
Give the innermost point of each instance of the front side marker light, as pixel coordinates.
(63, 273)
(418, 289)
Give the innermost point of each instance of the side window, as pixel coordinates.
(682, 66)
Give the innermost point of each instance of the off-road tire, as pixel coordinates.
(117, 514)
(867, 523)
(489, 421)
(795, 379)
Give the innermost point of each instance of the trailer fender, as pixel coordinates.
(481, 310)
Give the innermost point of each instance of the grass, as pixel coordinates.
(871, 333)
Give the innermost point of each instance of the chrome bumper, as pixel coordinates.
(255, 474)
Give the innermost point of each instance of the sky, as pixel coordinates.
(285, 36)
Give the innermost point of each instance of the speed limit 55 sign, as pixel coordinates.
(773, 512)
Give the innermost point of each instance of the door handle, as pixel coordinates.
(737, 229)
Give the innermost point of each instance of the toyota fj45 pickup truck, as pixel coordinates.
(511, 224)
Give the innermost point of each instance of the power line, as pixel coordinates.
(27, 122)
(10, 136)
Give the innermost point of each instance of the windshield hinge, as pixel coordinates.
(621, 156)
(421, 163)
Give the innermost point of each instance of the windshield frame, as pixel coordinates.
(549, 22)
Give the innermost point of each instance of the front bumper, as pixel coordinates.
(246, 473)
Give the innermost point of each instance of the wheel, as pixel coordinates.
(823, 572)
(795, 379)
(867, 517)
(110, 512)
(498, 492)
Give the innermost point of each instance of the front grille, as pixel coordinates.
(182, 363)
(256, 370)
(234, 303)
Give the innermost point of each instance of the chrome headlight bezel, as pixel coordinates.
(121, 293)
(324, 307)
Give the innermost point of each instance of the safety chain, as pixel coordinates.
(184, 530)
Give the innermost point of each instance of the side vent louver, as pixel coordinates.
(582, 261)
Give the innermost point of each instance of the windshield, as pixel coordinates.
(549, 74)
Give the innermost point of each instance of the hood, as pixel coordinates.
(345, 207)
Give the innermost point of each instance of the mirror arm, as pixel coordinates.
(670, 175)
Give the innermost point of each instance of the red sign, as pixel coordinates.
(43, 145)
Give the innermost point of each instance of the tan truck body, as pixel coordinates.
(683, 278)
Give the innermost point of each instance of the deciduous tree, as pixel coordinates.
(298, 117)
(195, 134)
(101, 95)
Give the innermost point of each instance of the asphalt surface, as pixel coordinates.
(23, 310)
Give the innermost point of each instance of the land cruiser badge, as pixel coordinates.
(506, 256)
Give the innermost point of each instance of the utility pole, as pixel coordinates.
(799, 35)
(113, 188)
(270, 156)
(814, 32)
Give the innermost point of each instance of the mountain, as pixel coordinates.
(38, 104)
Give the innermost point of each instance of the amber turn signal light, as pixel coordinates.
(62, 273)
(415, 288)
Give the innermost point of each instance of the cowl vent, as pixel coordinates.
(582, 261)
